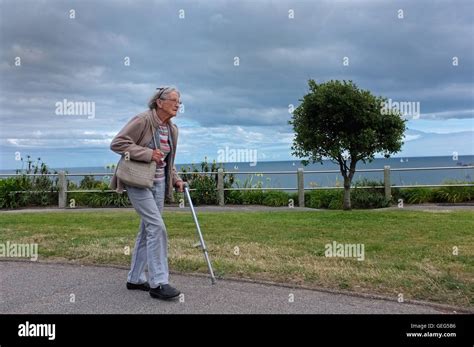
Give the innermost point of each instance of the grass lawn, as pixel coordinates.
(406, 252)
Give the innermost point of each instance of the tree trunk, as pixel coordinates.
(347, 193)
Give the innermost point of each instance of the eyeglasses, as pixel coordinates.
(174, 101)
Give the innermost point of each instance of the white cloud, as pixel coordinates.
(411, 137)
(460, 114)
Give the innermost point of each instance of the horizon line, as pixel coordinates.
(264, 161)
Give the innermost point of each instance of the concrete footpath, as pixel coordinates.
(44, 288)
(248, 208)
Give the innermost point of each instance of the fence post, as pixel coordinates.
(62, 185)
(220, 186)
(300, 187)
(386, 182)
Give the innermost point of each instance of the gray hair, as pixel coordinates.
(161, 93)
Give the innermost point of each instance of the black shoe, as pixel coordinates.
(164, 292)
(143, 286)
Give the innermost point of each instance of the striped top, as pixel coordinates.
(164, 146)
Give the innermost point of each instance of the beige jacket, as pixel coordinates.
(134, 139)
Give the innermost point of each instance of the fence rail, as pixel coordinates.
(63, 181)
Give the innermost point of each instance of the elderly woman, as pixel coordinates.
(151, 247)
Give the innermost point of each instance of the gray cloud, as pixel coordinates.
(82, 59)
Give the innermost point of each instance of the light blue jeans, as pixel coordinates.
(151, 246)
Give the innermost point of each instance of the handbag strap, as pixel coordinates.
(153, 134)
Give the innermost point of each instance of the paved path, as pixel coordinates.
(33, 287)
(248, 208)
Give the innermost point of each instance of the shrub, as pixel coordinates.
(416, 195)
(8, 197)
(23, 190)
(323, 198)
(335, 204)
(295, 198)
(276, 198)
(454, 194)
(439, 195)
(360, 197)
(88, 182)
(205, 190)
(233, 197)
(368, 197)
(252, 197)
(249, 196)
(205, 185)
(100, 199)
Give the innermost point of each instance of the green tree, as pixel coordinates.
(338, 121)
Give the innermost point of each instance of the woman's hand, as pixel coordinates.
(180, 186)
(157, 156)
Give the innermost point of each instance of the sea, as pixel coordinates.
(247, 175)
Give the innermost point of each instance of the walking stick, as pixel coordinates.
(201, 239)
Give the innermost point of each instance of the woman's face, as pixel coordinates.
(170, 104)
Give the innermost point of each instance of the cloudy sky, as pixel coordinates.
(238, 64)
